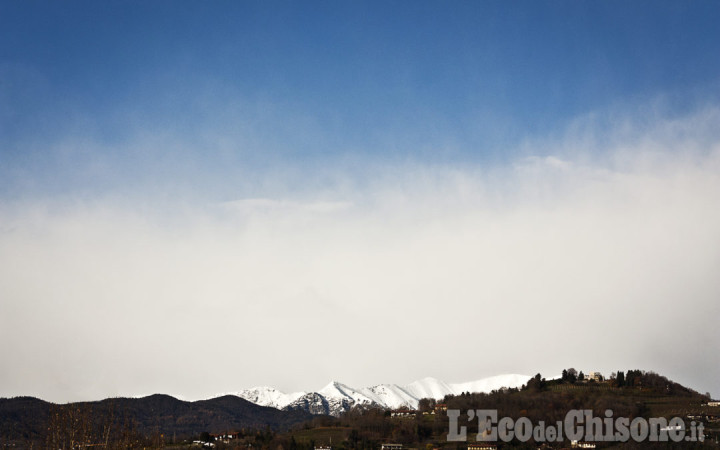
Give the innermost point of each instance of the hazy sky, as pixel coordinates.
(200, 197)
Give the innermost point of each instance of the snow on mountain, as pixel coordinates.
(491, 383)
(391, 396)
(341, 391)
(313, 403)
(268, 396)
(337, 398)
(342, 398)
(429, 388)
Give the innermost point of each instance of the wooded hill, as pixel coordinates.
(629, 394)
(131, 422)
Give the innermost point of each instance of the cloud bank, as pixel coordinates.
(565, 257)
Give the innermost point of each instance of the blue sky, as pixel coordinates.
(392, 165)
(314, 84)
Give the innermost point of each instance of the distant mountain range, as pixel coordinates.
(336, 398)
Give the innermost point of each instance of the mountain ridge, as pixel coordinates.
(336, 398)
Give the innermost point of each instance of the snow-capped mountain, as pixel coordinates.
(315, 403)
(345, 392)
(337, 398)
(334, 399)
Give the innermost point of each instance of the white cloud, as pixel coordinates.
(266, 205)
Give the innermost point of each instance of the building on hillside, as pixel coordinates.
(440, 407)
(714, 403)
(225, 437)
(391, 447)
(323, 447)
(402, 413)
(594, 376)
(482, 446)
(582, 444)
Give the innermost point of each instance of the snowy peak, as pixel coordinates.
(313, 403)
(336, 389)
(391, 395)
(341, 391)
